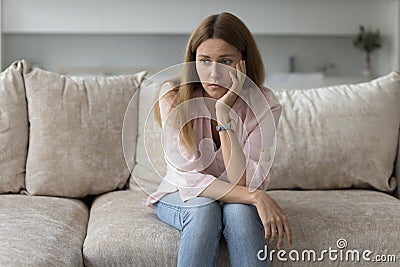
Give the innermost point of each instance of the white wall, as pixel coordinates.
(175, 16)
(1, 40)
(56, 52)
(63, 33)
(63, 51)
(396, 34)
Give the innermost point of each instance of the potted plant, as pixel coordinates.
(367, 41)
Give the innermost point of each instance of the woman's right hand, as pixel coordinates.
(273, 219)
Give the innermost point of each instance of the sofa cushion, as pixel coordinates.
(339, 136)
(341, 220)
(333, 137)
(41, 231)
(75, 146)
(318, 218)
(130, 240)
(135, 238)
(150, 167)
(13, 128)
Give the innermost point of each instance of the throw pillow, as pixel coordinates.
(13, 128)
(338, 137)
(150, 165)
(75, 146)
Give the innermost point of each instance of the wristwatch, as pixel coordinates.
(228, 126)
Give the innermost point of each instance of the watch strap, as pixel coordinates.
(224, 127)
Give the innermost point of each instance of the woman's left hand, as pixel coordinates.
(231, 95)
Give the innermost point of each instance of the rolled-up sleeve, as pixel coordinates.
(260, 144)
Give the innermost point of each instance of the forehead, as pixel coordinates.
(216, 47)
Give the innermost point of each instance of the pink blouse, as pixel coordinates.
(255, 128)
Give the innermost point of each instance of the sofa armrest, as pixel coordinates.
(397, 169)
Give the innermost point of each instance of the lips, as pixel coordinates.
(214, 86)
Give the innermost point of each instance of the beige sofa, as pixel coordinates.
(69, 144)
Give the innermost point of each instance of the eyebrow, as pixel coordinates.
(226, 55)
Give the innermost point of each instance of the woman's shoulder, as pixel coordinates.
(165, 98)
(270, 97)
(168, 88)
(267, 92)
(167, 92)
(257, 93)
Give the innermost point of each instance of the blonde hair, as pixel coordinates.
(232, 30)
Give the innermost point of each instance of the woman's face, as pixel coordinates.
(215, 77)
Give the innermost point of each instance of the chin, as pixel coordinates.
(216, 95)
(214, 92)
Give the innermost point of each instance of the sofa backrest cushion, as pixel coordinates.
(339, 136)
(150, 167)
(335, 137)
(13, 128)
(75, 146)
(397, 168)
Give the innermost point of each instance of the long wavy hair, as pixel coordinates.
(232, 30)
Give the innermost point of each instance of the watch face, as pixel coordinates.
(229, 126)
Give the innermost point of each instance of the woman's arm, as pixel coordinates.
(234, 158)
(232, 152)
(271, 215)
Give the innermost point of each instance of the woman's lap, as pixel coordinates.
(205, 220)
(235, 212)
(172, 210)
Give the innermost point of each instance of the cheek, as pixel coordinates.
(221, 72)
(203, 73)
(224, 70)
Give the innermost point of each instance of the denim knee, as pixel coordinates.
(237, 212)
(241, 218)
(204, 219)
(244, 234)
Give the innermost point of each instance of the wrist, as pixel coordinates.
(222, 116)
(255, 197)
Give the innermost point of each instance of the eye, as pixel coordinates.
(226, 61)
(204, 61)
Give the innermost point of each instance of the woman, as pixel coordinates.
(218, 188)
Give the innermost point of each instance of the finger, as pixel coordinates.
(288, 232)
(242, 71)
(280, 236)
(240, 77)
(273, 233)
(232, 75)
(234, 78)
(267, 230)
(238, 68)
(243, 66)
(235, 81)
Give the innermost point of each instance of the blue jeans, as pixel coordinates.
(201, 221)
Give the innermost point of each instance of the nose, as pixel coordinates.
(215, 71)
